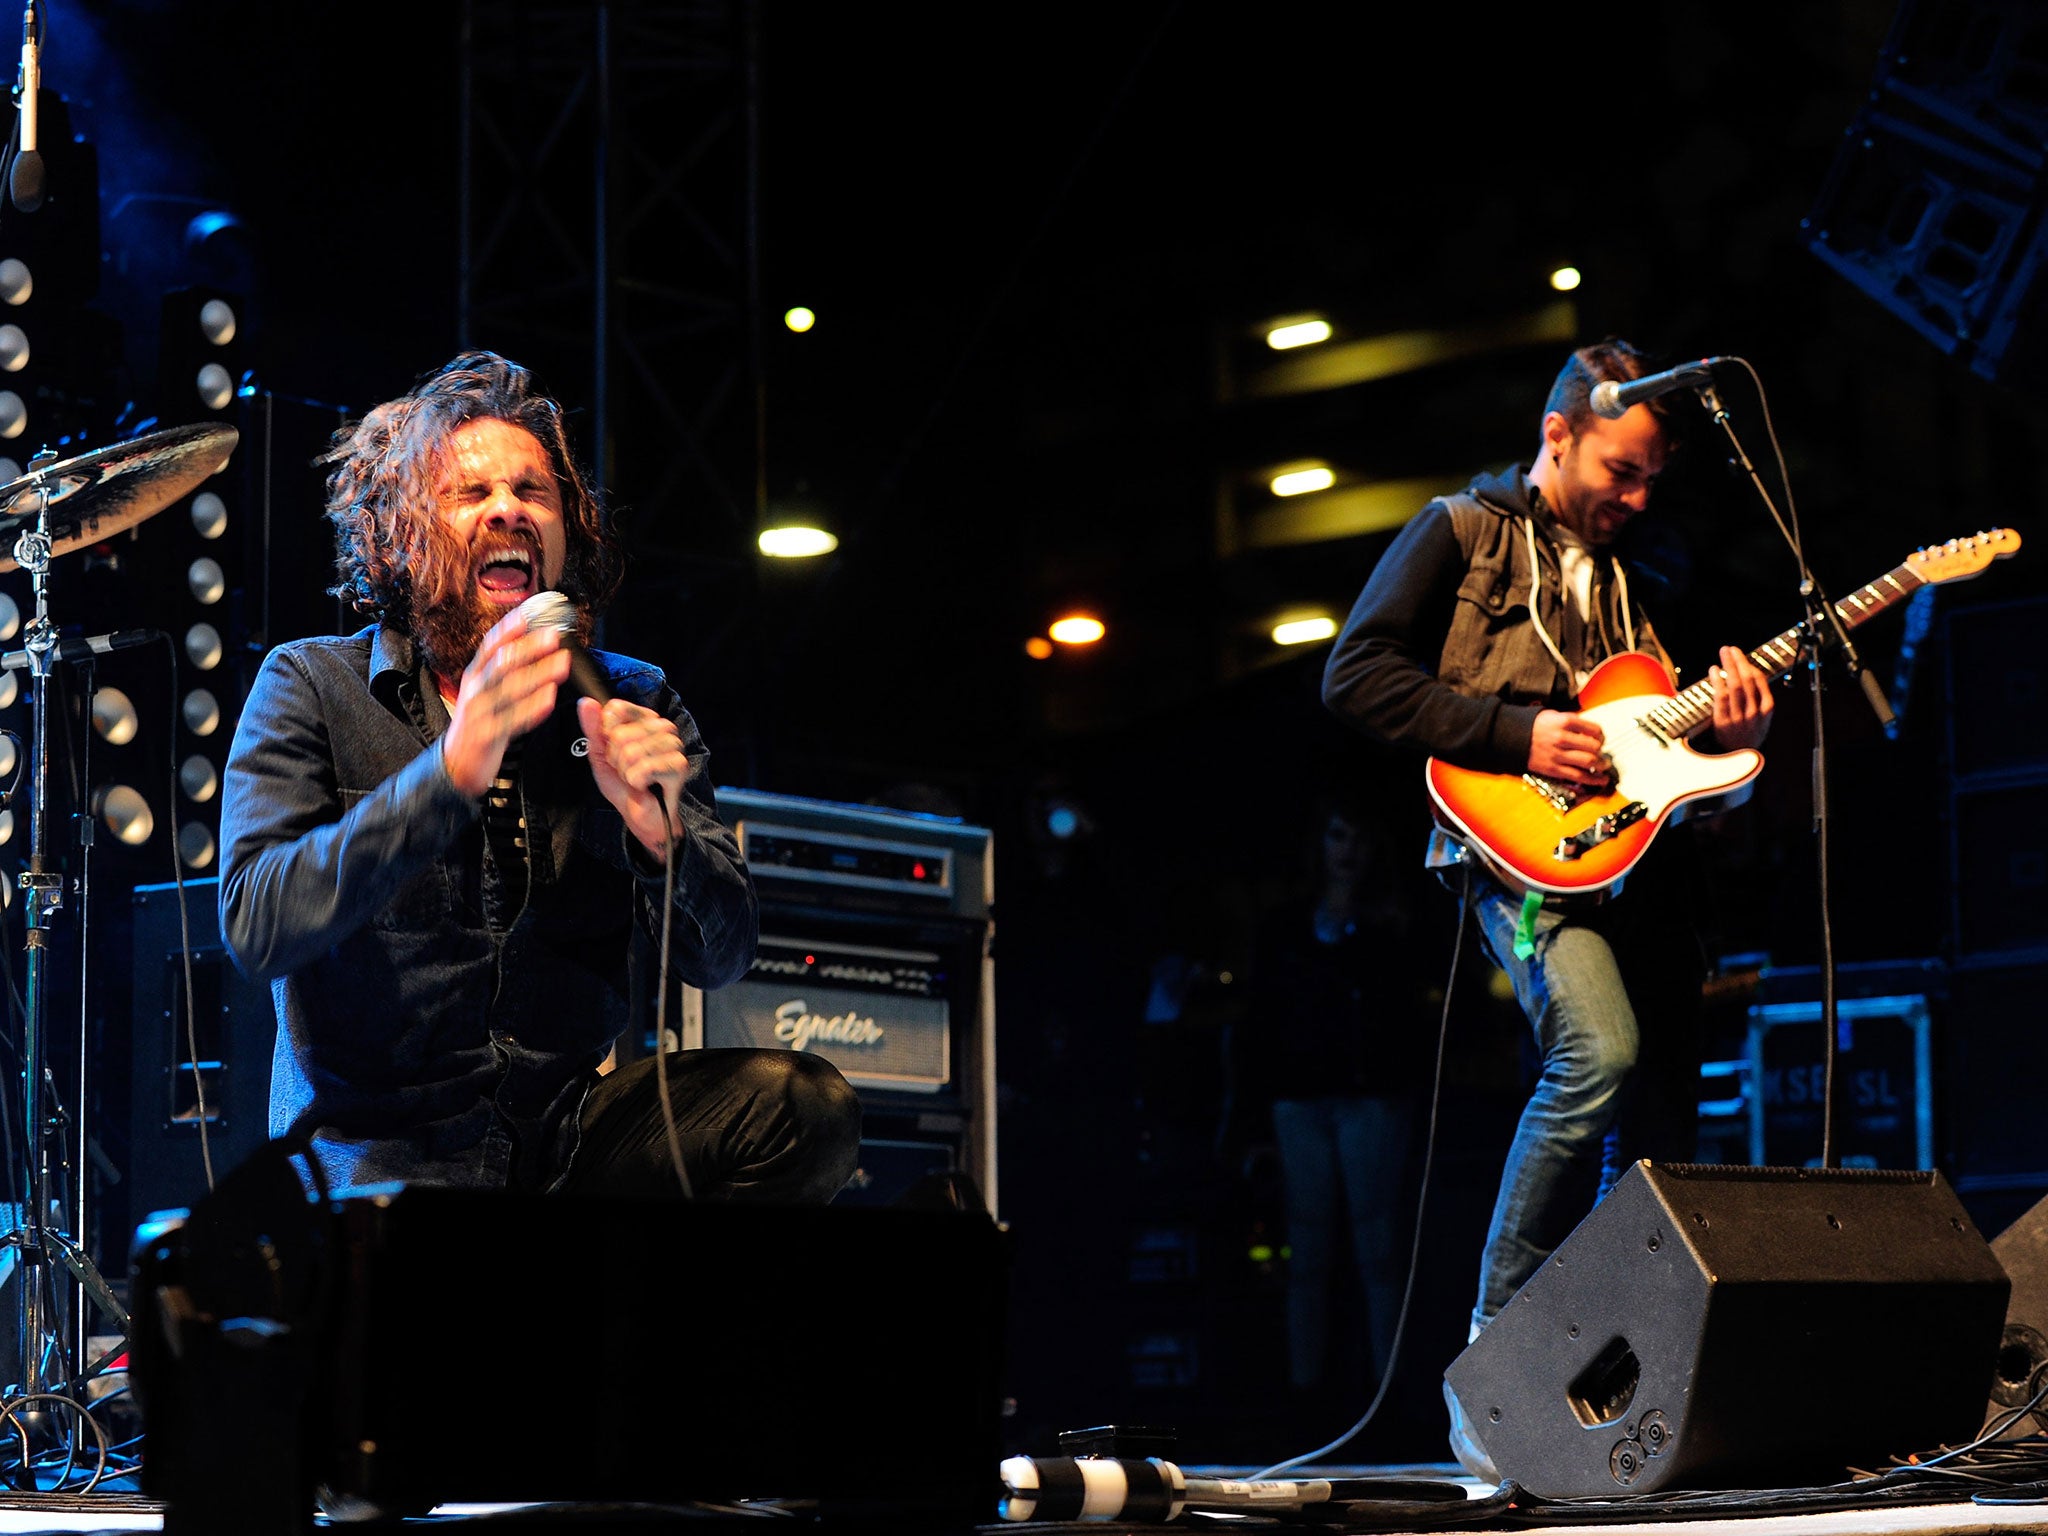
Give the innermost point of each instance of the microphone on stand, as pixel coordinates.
(25, 183)
(1612, 397)
(83, 647)
(551, 610)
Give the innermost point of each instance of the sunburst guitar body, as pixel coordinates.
(1566, 839)
(1538, 834)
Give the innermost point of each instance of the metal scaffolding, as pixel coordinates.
(608, 240)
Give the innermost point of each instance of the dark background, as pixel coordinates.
(1036, 239)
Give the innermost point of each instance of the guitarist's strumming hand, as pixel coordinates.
(1742, 701)
(1569, 747)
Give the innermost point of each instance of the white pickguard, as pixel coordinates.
(1664, 775)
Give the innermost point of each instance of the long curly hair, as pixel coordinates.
(394, 556)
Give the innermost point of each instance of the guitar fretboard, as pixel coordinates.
(1690, 708)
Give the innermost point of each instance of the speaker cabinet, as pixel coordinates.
(1730, 1327)
(234, 1028)
(2023, 1249)
(419, 1346)
(877, 953)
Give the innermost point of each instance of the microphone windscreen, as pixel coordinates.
(25, 185)
(551, 610)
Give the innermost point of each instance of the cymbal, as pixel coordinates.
(111, 489)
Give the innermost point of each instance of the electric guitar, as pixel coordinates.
(1540, 834)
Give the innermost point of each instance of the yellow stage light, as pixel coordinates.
(797, 542)
(1297, 333)
(1304, 631)
(1077, 629)
(1299, 482)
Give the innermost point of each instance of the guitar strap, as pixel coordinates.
(1525, 925)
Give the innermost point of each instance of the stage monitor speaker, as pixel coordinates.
(2023, 1353)
(1712, 1326)
(416, 1346)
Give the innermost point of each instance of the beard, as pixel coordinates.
(447, 632)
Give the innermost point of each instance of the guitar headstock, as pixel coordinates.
(1959, 559)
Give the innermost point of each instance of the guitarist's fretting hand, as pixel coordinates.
(1569, 747)
(1742, 701)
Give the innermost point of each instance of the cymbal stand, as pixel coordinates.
(39, 1244)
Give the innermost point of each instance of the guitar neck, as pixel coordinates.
(1690, 708)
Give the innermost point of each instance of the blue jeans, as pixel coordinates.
(1341, 1156)
(1612, 993)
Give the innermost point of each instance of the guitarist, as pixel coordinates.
(1470, 642)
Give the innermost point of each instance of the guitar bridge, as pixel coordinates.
(1569, 848)
(1562, 796)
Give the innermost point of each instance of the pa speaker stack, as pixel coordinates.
(1712, 1326)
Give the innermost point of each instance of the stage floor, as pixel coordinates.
(125, 1511)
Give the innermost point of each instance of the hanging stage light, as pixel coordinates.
(1304, 631)
(1303, 480)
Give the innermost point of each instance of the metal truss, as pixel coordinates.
(608, 217)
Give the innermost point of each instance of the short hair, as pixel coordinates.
(1571, 392)
(381, 491)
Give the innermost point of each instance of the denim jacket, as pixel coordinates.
(427, 1028)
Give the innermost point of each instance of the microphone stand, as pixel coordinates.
(1822, 624)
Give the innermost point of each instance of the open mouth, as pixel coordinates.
(505, 575)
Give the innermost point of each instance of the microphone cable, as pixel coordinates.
(1436, 1096)
(668, 917)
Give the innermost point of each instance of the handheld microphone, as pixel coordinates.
(1612, 397)
(1123, 1488)
(25, 182)
(551, 610)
